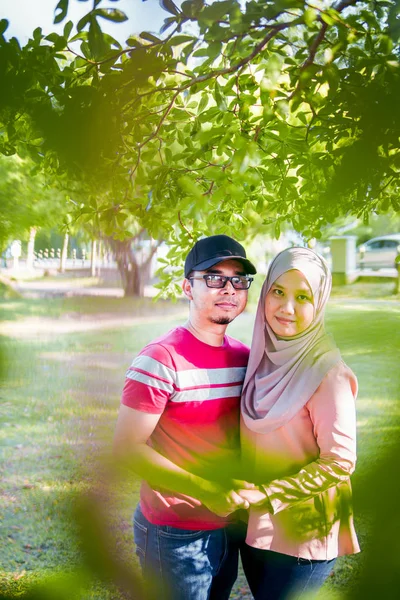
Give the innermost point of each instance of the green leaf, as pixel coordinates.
(327, 18)
(191, 8)
(203, 102)
(145, 35)
(214, 49)
(385, 44)
(190, 187)
(215, 12)
(310, 16)
(177, 40)
(201, 52)
(168, 155)
(111, 14)
(178, 114)
(84, 21)
(37, 34)
(134, 43)
(82, 35)
(3, 26)
(167, 24)
(52, 37)
(67, 29)
(62, 6)
(302, 117)
(169, 6)
(385, 204)
(97, 43)
(219, 98)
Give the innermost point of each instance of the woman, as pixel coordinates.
(298, 434)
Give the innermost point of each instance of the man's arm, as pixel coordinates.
(133, 429)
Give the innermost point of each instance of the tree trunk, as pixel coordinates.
(99, 257)
(93, 259)
(133, 282)
(30, 257)
(64, 251)
(133, 275)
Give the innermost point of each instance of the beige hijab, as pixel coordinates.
(283, 374)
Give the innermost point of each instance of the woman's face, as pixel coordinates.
(289, 305)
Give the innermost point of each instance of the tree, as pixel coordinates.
(134, 261)
(285, 108)
(26, 203)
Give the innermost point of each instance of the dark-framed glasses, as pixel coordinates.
(239, 282)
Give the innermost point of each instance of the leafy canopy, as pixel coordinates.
(271, 112)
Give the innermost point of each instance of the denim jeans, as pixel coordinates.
(185, 564)
(275, 576)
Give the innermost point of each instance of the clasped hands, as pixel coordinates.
(242, 495)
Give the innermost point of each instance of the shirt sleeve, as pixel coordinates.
(150, 380)
(332, 412)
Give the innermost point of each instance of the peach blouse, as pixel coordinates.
(304, 467)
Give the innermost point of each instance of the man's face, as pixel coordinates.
(217, 305)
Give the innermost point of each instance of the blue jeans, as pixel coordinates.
(184, 564)
(275, 576)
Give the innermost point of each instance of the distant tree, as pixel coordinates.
(26, 202)
(134, 261)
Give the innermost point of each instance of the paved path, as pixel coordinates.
(40, 288)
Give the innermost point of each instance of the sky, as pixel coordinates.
(25, 15)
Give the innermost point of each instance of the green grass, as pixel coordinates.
(60, 398)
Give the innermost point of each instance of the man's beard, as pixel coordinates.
(222, 320)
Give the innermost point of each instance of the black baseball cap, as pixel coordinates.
(212, 250)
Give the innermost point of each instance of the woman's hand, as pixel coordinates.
(255, 497)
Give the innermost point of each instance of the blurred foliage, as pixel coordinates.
(378, 225)
(272, 112)
(26, 200)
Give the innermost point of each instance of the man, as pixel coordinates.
(178, 428)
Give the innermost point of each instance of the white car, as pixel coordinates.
(379, 252)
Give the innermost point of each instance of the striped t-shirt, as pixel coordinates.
(196, 388)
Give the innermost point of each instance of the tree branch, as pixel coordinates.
(208, 192)
(165, 115)
(314, 47)
(183, 226)
(137, 163)
(338, 7)
(257, 132)
(213, 75)
(124, 51)
(152, 253)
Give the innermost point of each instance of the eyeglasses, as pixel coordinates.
(239, 282)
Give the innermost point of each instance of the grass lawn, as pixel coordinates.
(63, 365)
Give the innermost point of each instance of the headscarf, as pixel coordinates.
(283, 374)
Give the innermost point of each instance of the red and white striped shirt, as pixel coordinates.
(196, 388)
